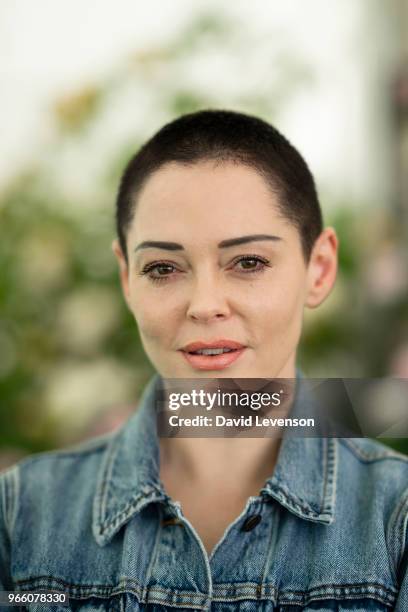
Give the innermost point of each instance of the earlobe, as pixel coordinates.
(322, 269)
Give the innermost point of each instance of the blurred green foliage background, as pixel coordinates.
(71, 363)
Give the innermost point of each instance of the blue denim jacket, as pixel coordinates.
(95, 521)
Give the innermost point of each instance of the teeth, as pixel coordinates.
(212, 351)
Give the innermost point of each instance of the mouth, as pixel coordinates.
(215, 355)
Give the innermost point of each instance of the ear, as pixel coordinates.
(123, 269)
(322, 268)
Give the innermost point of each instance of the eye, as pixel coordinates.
(162, 271)
(250, 263)
(158, 271)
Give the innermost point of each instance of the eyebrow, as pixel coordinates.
(175, 246)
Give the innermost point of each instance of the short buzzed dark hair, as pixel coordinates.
(223, 136)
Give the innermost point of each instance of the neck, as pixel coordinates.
(240, 463)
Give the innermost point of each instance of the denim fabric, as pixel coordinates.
(94, 521)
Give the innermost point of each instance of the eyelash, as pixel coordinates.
(152, 266)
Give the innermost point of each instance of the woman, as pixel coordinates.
(220, 248)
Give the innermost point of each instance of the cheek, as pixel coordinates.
(281, 307)
(155, 316)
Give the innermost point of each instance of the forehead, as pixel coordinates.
(207, 196)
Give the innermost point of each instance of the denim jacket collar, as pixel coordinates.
(304, 479)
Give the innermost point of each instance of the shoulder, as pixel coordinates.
(372, 465)
(369, 462)
(42, 476)
(367, 450)
(59, 459)
(373, 475)
(45, 491)
(376, 477)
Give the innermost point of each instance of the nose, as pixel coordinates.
(208, 300)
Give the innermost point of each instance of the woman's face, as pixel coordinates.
(212, 261)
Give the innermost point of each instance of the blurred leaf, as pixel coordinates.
(75, 109)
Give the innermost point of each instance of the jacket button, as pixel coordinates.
(251, 522)
(172, 520)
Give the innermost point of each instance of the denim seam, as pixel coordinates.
(396, 533)
(108, 527)
(403, 530)
(4, 499)
(226, 588)
(156, 547)
(404, 534)
(105, 526)
(144, 594)
(294, 502)
(176, 604)
(11, 497)
(315, 589)
(101, 494)
(378, 597)
(341, 591)
(107, 480)
(175, 596)
(200, 544)
(283, 494)
(330, 473)
(272, 543)
(269, 591)
(375, 456)
(297, 501)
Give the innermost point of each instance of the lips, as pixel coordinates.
(216, 344)
(219, 361)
